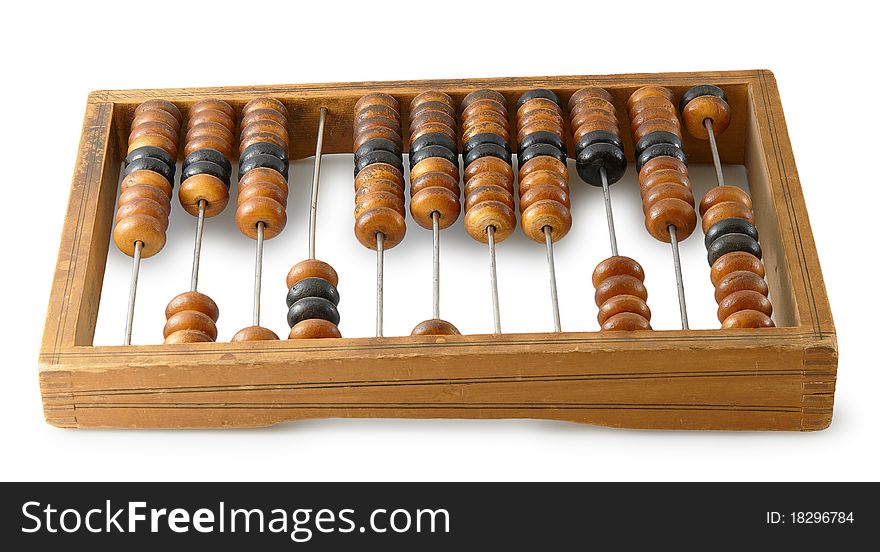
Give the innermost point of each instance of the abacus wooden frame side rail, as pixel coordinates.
(772, 379)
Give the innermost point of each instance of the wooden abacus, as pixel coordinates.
(755, 373)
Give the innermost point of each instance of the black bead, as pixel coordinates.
(487, 150)
(262, 161)
(433, 151)
(378, 156)
(658, 137)
(375, 144)
(659, 150)
(263, 148)
(597, 137)
(486, 138)
(205, 167)
(541, 149)
(312, 307)
(700, 90)
(729, 243)
(433, 139)
(596, 156)
(731, 225)
(151, 151)
(150, 164)
(312, 287)
(542, 137)
(538, 93)
(208, 154)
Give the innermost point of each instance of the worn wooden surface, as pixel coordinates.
(780, 378)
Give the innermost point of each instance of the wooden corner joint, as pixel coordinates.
(58, 400)
(817, 386)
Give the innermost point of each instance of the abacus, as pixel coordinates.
(506, 147)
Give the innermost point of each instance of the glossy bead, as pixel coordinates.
(538, 178)
(748, 319)
(376, 199)
(622, 284)
(623, 303)
(733, 242)
(435, 327)
(143, 206)
(483, 94)
(377, 98)
(190, 320)
(743, 300)
(488, 193)
(733, 262)
(721, 194)
(143, 228)
(203, 187)
(254, 333)
(738, 281)
(541, 192)
(726, 210)
(193, 301)
(378, 170)
(667, 190)
(431, 179)
(626, 321)
(147, 178)
(546, 213)
(260, 209)
(488, 164)
(387, 221)
(314, 328)
(187, 336)
(265, 103)
(662, 163)
(730, 226)
(312, 287)
(706, 107)
(670, 212)
(481, 216)
(311, 268)
(617, 266)
(433, 164)
(312, 307)
(435, 199)
(544, 163)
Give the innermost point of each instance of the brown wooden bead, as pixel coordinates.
(622, 284)
(143, 206)
(263, 175)
(706, 107)
(378, 199)
(544, 163)
(312, 268)
(376, 110)
(260, 209)
(609, 120)
(193, 301)
(208, 142)
(258, 137)
(433, 164)
(376, 122)
(653, 102)
(623, 303)
(155, 116)
(387, 221)
(593, 105)
(314, 328)
(378, 171)
(147, 178)
(734, 262)
(658, 125)
(537, 178)
(190, 320)
(431, 179)
(653, 114)
(647, 91)
(743, 300)
(588, 92)
(664, 176)
(485, 127)
(537, 103)
(540, 192)
(491, 193)
(721, 194)
(187, 336)
(540, 115)
(485, 116)
(546, 213)
(162, 105)
(431, 116)
(488, 178)
(725, 210)
(431, 96)
(479, 217)
(149, 128)
(378, 132)
(748, 319)
(154, 140)
(212, 105)
(660, 163)
(664, 191)
(539, 126)
(627, 322)
(208, 128)
(592, 126)
(139, 228)
(482, 106)
(617, 266)
(738, 281)
(435, 200)
(256, 127)
(670, 212)
(142, 191)
(379, 185)
(264, 103)
(435, 326)
(264, 115)
(203, 187)
(432, 106)
(429, 128)
(255, 189)
(254, 333)
(377, 98)
(483, 94)
(488, 164)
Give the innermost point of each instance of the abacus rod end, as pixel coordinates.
(132, 290)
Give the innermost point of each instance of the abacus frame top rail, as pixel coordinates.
(781, 378)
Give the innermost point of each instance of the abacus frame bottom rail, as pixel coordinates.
(775, 379)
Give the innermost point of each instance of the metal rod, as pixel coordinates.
(716, 159)
(258, 272)
(679, 281)
(435, 218)
(608, 214)
(316, 175)
(380, 281)
(132, 290)
(197, 248)
(554, 296)
(493, 279)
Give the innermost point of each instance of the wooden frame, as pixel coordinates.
(781, 378)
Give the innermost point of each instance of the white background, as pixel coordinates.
(825, 64)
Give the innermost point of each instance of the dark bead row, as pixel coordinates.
(151, 158)
(729, 235)
(263, 155)
(312, 298)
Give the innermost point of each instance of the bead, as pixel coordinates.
(150, 164)
(147, 178)
(595, 157)
(664, 176)
(658, 150)
(155, 115)
(536, 178)
(312, 268)
(260, 209)
(662, 162)
(546, 213)
(143, 206)
(626, 321)
(154, 140)
(151, 152)
(483, 94)
(254, 333)
(598, 137)
(433, 139)
(430, 179)
(622, 284)
(617, 266)
(254, 189)
(435, 327)
(263, 148)
(658, 137)
(730, 226)
(263, 114)
(187, 336)
(540, 192)
(193, 301)
(263, 161)
(544, 163)
(481, 216)
(538, 93)
(375, 200)
(432, 164)
(262, 175)
(312, 307)
(497, 193)
(426, 117)
(588, 92)
(378, 144)
(701, 90)
(387, 221)
(667, 190)
(427, 201)
(314, 328)
(541, 150)
(145, 229)
(190, 320)
(264, 103)
(670, 212)
(376, 110)
(623, 303)
(726, 210)
(312, 287)
(433, 151)
(488, 164)
(214, 104)
(748, 319)
(380, 132)
(379, 170)
(431, 96)
(743, 300)
(542, 137)
(206, 168)
(211, 155)
(376, 98)
(484, 150)
(648, 91)
(706, 107)
(378, 156)
(722, 194)
(739, 281)
(733, 262)
(733, 242)
(485, 127)
(364, 125)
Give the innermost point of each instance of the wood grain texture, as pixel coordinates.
(770, 379)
